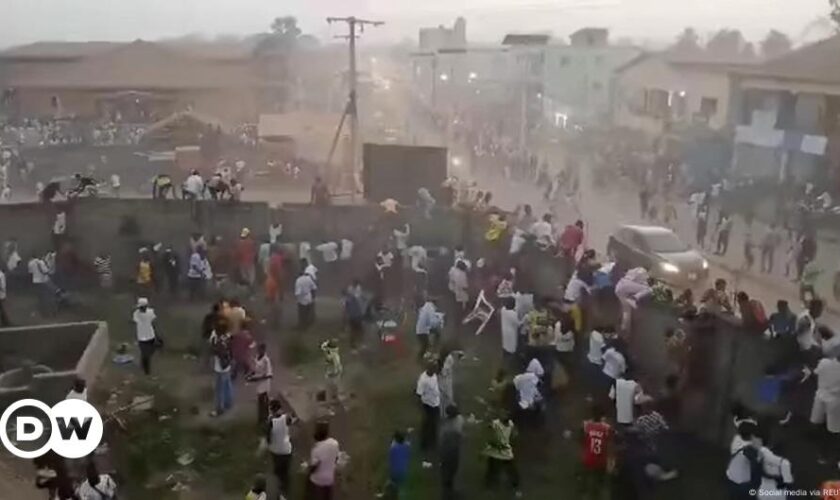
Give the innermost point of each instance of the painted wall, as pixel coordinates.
(656, 73)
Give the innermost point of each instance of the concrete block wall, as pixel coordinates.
(70, 350)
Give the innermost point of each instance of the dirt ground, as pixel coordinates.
(219, 457)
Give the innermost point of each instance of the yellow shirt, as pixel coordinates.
(496, 229)
(144, 273)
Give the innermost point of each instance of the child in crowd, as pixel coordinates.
(334, 369)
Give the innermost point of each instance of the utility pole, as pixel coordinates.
(352, 105)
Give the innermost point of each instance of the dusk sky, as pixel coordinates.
(24, 21)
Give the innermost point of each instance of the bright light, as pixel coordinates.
(373, 60)
(669, 268)
(560, 120)
(539, 95)
(705, 264)
(444, 77)
(681, 93)
(473, 75)
(456, 161)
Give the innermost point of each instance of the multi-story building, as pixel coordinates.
(787, 116)
(576, 77)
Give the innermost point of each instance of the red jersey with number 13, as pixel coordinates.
(596, 437)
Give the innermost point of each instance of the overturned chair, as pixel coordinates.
(482, 311)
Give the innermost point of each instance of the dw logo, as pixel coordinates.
(72, 428)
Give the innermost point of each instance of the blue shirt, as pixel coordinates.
(783, 323)
(427, 319)
(398, 459)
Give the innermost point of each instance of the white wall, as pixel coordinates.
(655, 73)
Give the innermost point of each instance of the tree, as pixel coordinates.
(286, 30)
(775, 44)
(726, 43)
(688, 42)
(835, 11)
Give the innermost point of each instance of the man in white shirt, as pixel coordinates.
(198, 272)
(428, 391)
(739, 471)
(806, 325)
(627, 393)
(323, 461)
(4, 318)
(596, 348)
(401, 239)
(305, 289)
(510, 324)
(144, 319)
(527, 389)
(543, 232)
(346, 250)
(826, 407)
(777, 474)
(193, 186)
(429, 322)
(280, 444)
(261, 376)
(329, 251)
(79, 390)
(614, 362)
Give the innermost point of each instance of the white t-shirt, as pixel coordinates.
(739, 471)
(510, 329)
(563, 342)
(346, 250)
(526, 386)
(774, 467)
(329, 251)
(324, 458)
(417, 256)
(575, 289)
(400, 240)
(806, 339)
(542, 230)
(194, 184)
(304, 250)
(828, 380)
(77, 395)
(624, 394)
(39, 271)
(106, 486)
(517, 241)
(596, 346)
(274, 232)
(535, 367)
(304, 287)
(115, 181)
(280, 443)
(428, 390)
(143, 321)
(262, 368)
(614, 363)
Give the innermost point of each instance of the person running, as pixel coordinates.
(261, 376)
(451, 437)
(280, 444)
(323, 462)
(597, 439)
(499, 453)
(428, 391)
(305, 289)
(144, 320)
(399, 459)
